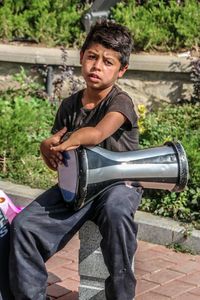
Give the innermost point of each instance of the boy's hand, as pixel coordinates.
(67, 145)
(52, 158)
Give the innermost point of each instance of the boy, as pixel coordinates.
(103, 115)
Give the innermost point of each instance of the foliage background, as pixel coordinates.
(178, 122)
(161, 25)
(155, 25)
(25, 120)
(52, 22)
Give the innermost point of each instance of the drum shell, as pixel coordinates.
(164, 167)
(97, 169)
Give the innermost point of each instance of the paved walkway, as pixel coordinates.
(161, 273)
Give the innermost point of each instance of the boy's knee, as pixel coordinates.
(115, 212)
(18, 224)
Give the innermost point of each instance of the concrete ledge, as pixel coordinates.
(92, 269)
(37, 55)
(91, 260)
(165, 231)
(53, 56)
(20, 194)
(91, 290)
(152, 228)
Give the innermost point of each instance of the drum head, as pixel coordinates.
(68, 176)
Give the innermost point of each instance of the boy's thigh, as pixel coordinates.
(48, 218)
(116, 203)
(120, 197)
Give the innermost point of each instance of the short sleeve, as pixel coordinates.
(67, 113)
(60, 119)
(123, 103)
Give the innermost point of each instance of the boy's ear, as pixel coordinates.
(122, 71)
(81, 57)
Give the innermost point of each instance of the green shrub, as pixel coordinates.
(24, 123)
(25, 120)
(188, 25)
(175, 122)
(50, 22)
(161, 25)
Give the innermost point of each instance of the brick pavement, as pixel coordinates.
(161, 273)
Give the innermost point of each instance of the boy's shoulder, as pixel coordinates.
(116, 95)
(73, 99)
(120, 95)
(73, 96)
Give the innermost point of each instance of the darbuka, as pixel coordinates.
(88, 171)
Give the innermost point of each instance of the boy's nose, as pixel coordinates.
(97, 64)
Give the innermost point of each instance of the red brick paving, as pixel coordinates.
(161, 273)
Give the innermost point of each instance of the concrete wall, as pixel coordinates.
(149, 80)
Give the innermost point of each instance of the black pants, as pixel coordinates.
(46, 225)
(5, 293)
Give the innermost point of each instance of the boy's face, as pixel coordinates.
(100, 66)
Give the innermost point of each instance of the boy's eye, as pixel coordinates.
(91, 56)
(108, 63)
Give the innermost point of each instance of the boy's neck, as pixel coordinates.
(92, 98)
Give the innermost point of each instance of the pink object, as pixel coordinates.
(8, 207)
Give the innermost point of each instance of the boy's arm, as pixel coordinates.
(91, 136)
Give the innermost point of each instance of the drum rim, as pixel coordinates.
(183, 170)
(82, 163)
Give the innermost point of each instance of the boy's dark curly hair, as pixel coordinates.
(112, 36)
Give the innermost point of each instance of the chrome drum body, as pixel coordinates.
(86, 172)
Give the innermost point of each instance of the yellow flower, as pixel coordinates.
(142, 112)
(142, 109)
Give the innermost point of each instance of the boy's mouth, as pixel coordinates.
(94, 77)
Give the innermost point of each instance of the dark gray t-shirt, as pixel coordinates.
(73, 115)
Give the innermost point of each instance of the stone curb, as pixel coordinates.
(53, 56)
(152, 228)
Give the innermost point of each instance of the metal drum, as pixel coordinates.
(86, 172)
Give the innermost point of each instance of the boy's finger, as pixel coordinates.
(72, 148)
(56, 156)
(61, 132)
(53, 163)
(58, 148)
(59, 156)
(62, 148)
